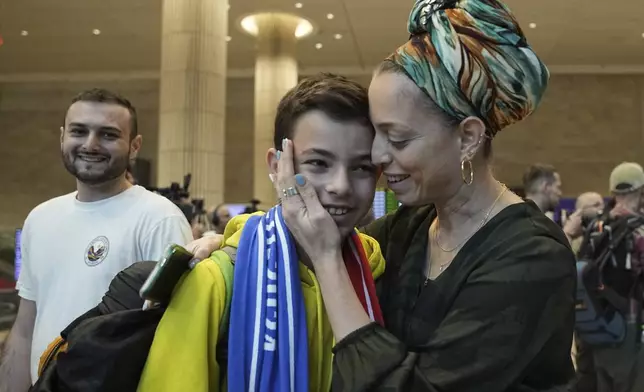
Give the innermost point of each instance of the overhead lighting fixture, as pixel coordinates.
(533, 25)
(303, 27)
(228, 38)
(318, 46)
(330, 16)
(298, 5)
(96, 32)
(338, 36)
(24, 33)
(249, 24)
(642, 35)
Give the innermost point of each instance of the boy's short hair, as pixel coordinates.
(336, 96)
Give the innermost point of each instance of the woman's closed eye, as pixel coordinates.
(399, 145)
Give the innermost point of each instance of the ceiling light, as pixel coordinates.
(338, 36)
(228, 38)
(533, 25)
(298, 5)
(304, 28)
(96, 32)
(24, 33)
(318, 46)
(249, 24)
(642, 35)
(330, 16)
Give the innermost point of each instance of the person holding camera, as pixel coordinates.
(588, 206)
(609, 312)
(621, 368)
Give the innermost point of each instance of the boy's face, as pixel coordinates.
(335, 157)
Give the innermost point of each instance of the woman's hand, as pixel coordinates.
(202, 248)
(311, 225)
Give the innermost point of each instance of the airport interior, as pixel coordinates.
(206, 78)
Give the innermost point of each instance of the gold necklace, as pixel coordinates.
(436, 233)
(485, 219)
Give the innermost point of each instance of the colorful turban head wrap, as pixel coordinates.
(472, 59)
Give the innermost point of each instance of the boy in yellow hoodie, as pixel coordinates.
(327, 118)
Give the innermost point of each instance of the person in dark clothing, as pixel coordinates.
(620, 367)
(478, 294)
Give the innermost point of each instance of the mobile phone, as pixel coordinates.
(159, 285)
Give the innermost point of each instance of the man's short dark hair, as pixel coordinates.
(536, 174)
(100, 95)
(336, 96)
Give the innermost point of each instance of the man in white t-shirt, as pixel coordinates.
(73, 245)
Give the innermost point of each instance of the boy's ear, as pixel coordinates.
(271, 161)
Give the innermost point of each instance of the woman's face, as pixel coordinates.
(419, 153)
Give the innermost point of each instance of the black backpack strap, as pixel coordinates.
(600, 243)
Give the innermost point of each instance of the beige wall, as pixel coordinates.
(585, 126)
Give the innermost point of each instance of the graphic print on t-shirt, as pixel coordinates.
(97, 251)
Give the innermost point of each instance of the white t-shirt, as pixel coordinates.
(72, 250)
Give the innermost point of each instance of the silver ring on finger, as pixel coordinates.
(289, 192)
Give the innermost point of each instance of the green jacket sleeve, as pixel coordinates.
(183, 356)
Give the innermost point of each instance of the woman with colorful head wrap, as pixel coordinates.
(478, 292)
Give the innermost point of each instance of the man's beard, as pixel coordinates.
(114, 169)
(553, 204)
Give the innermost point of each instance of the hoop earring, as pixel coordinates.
(469, 178)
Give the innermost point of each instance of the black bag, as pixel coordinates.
(106, 348)
(605, 282)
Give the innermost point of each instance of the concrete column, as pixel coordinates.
(275, 74)
(193, 96)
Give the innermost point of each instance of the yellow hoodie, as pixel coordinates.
(183, 353)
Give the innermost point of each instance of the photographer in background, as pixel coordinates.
(199, 219)
(542, 185)
(614, 281)
(220, 218)
(588, 206)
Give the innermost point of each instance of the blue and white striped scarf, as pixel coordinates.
(267, 343)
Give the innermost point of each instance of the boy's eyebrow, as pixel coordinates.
(330, 155)
(324, 153)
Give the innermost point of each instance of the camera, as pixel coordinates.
(175, 192)
(252, 208)
(179, 195)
